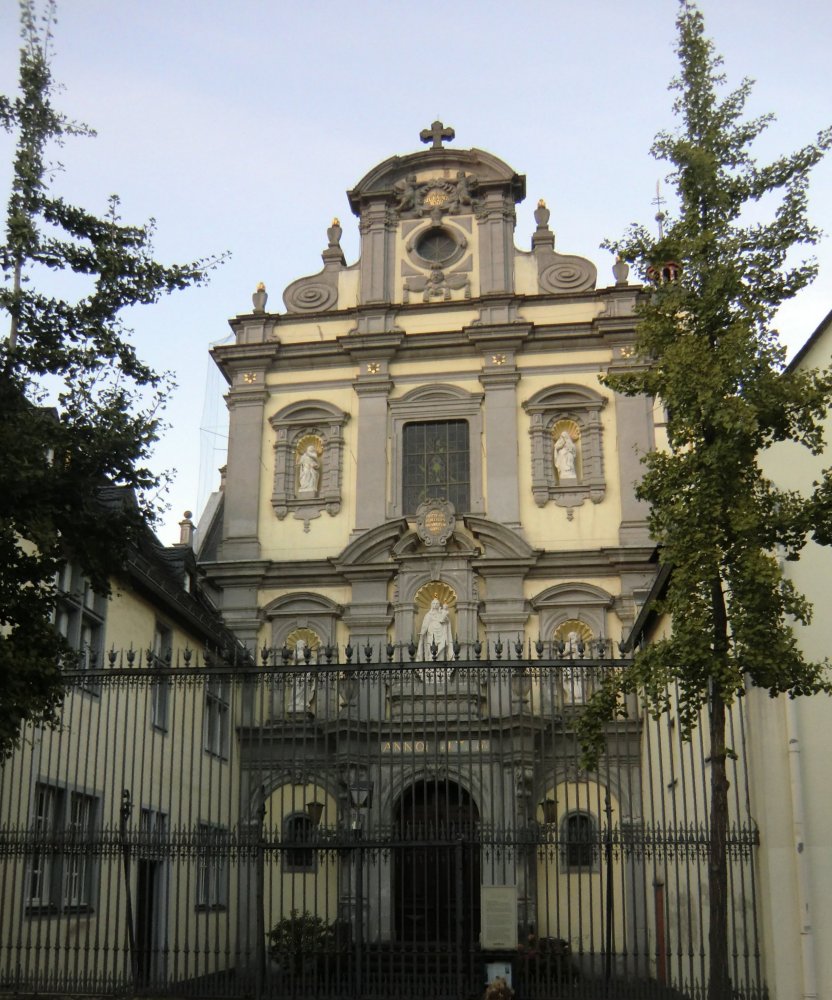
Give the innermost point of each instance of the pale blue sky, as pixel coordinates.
(239, 126)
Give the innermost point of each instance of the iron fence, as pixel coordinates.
(362, 824)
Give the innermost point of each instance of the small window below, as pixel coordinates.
(298, 854)
(579, 839)
(212, 870)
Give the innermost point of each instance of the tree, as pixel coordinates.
(706, 347)
(60, 463)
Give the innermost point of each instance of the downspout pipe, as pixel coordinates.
(807, 934)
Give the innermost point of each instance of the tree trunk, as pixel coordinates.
(719, 981)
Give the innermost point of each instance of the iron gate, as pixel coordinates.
(346, 828)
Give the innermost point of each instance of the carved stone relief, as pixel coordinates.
(319, 292)
(436, 196)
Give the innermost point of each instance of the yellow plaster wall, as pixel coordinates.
(791, 746)
(314, 892)
(566, 898)
(525, 273)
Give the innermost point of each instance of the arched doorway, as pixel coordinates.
(437, 864)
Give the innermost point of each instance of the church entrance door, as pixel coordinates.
(437, 865)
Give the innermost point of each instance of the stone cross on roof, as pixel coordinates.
(436, 133)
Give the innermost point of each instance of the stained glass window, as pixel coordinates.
(436, 464)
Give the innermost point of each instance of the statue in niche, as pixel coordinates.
(309, 471)
(303, 684)
(436, 628)
(566, 453)
(573, 677)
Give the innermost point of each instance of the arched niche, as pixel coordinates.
(296, 426)
(303, 610)
(583, 602)
(575, 409)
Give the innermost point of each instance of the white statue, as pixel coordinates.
(565, 454)
(303, 684)
(436, 628)
(308, 471)
(573, 677)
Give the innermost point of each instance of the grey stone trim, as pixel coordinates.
(634, 420)
(496, 239)
(564, 601)
(506, 334)
(371, 448)
(291, 424)
(436, 402)
(378, 245)
(500, 542)
(499, 379)
(246, 404)
(545, 409)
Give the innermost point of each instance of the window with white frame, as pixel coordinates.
(212, 871)
(160, 688)
(217, 720)
(61, 871)
(79, 616)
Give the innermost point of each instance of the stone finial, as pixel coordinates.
(260, 298)
(333, 256)
(620, 271)
(543, 238)
(436, 133)
(223, 471)
(333, 234)
(186, 530)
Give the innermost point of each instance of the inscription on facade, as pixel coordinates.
(435, 746)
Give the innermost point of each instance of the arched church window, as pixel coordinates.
(298, 855)
(436, 458)
(579, 839)
(436, 464)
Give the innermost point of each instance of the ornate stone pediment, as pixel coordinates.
(436, 196)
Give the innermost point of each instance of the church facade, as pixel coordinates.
(429, 485)
(428, 423)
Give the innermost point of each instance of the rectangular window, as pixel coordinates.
(48, 807)
(78, 866)
(217, 721)
(61, 871)
(212, 871)
(436, 464)
(160, 688)
(79, 617)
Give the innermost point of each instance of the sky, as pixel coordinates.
(239, 127)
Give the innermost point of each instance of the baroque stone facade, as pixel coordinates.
(445, 364)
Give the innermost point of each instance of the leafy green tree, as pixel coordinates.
(706, 347)
(60, 463)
